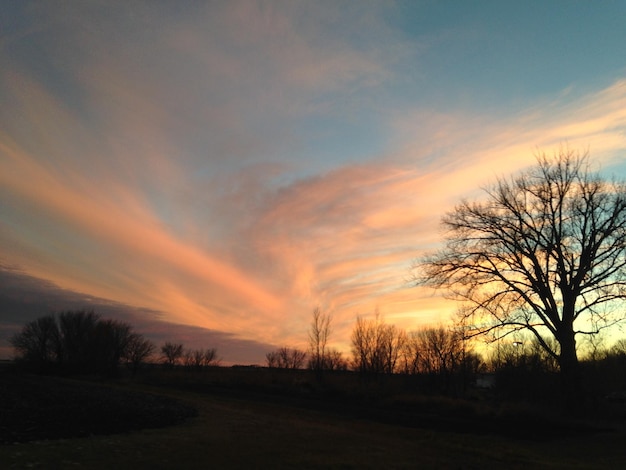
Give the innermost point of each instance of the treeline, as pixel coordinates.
(382, 348)
(440, 355)
(436, 359)
(441, 359)
(81, 342)
(173, 354)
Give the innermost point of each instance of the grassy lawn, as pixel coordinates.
(231, 432)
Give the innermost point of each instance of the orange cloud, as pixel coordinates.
(116, 202)
(350, 235)
(123, 235)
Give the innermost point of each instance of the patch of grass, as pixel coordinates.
(245, 430)
(36, 407)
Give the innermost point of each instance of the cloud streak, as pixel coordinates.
(24, 298)
(344, 240)
(236, 165)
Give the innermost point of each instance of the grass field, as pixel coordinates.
(244, 430)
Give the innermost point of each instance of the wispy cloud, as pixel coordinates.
(344, 240)
(347, 238)
(209, 181)
(24, 298)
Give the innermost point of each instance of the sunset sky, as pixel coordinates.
(214, 171)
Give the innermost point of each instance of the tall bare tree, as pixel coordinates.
(318, 339)
(544, 252)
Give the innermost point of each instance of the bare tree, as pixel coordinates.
(619, 348)
(199, 358)
(192, 358)
(436, 350)
(376, 346)
(545, 252)
(172, 353)
(411, 355)
(441, 354)
(318, 339)
(210, 357)
(38, 341)
(138, 350)
(78, 342)
(286, 358)
(291, 358)
(76, 339)
(522, 351)
(109, 342)
(444, 349)
(271, 359)
(333, 360)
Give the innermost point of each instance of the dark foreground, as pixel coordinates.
(127, 424)
(36, 408)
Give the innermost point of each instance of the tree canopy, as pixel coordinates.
(79, 342)
(545, 251)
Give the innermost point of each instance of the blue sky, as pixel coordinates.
(233, 165)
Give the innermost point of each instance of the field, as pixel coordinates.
(252, 419)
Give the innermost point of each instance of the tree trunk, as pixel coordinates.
(571, 378)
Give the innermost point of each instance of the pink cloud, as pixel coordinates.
(124, 207)
(347, 238)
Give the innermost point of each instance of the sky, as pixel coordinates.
(213, 171)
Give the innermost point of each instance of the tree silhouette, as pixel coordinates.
(285, 358)
(376, 346)
(109, 344)
(79, 342)
(76, 339)
(545, 252)
(138, 350)
(433, 350)
(199, 358)
(318, 339)
(172, 353)
(210, 357)
(38, 342)
(333, 360)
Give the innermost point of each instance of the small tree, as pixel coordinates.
(271, 359)
(376, 346)
(318, 338)
(199, 358)
(619, 348)
(38, 342)
(440, 353)
(210, 357)
(442, 350)
(333, 360)
(171, 353)
(286, 358)
(138, 350)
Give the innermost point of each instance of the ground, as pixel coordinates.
(207, 427)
